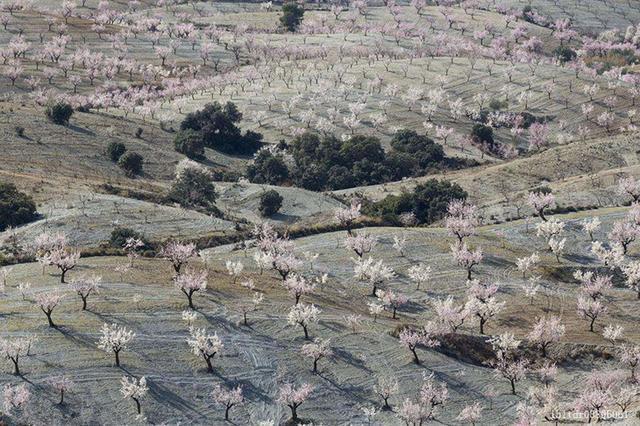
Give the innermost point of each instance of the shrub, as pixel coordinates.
(16, 208)
(564, 54)
(19, 131)
(120, 235)
(216, 125)
(270, 203)
(194, 188)
(131, 163)
(190, 143)
(139, 131)
(482, 134)
(292, 14)
(428, 202)
(115, 150)
(59, 113)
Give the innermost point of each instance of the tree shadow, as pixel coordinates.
(79, 129)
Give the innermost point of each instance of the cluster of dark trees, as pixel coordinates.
(328, 163)
(16, 207)
(428, 202)
(215, 127)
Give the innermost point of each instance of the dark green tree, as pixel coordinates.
(190, 143)
(115, 150)
(292, 14)
(193, 188)
(16, 208)
(131, 163)
(216, 124)
(59, 113)
(270, 203)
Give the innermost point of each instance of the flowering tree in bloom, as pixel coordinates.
(234, 269)
(12, 348)
(557, 246)
(524, 264)
(178, 254)
(420, 274)
(385, 388)
(114, 339)
(631, 272)
(590, 226)
(546, 330)
(613, 333)
(425, 408)
(507, 364)
(540, 201)
(392, 300)
(317, 350)
(15, 397)
(135, 389)
(593, 285)
(228, 398)
(250, 306)
(451, 316)
(303, 315)
(375, 309)
(624, 233)
(61, 384)
(482, 302)
(64, 259)
(373, 272)
(204, 345)
(47, 302)
(191, 282)
(131, 246)
(590, 309)
(629, 187)
(84, 286)
(399, 244)
(610, 257)
(361, 243)
(297, 286)
(411, 339)
(465, 257)
(293, 397)
(470, 414)
(461, 219)
(347, 216)
(629, 356)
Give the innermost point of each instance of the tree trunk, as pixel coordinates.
(16, 368)
(51, 324)
(84, 303)
(61, 397)
(209, 366)
(306, 333)
(64, 272)
(117, 353)
(226, 412)
(415, 356)
(513, 386)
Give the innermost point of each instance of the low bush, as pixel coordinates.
(270, 203)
